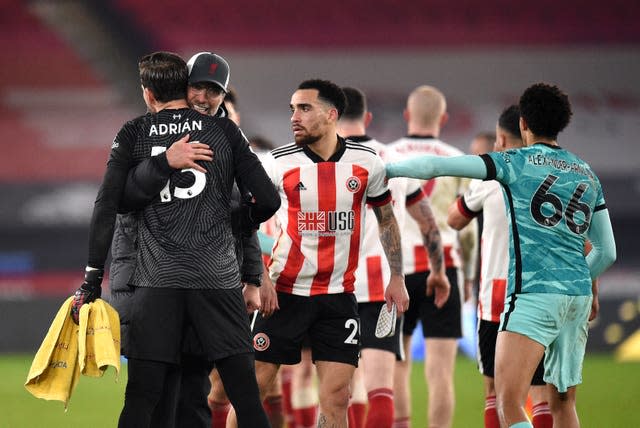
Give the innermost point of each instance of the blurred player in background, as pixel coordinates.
(486, 197)
(555, 202)
(426, 114)
(378, 355)
(482, 143)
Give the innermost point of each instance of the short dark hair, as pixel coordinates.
(328, 91)
(356, 103)
(510, 120)
(165, 74)
(545, 109)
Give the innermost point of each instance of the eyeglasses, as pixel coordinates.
(212, 89)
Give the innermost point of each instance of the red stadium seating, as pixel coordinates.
(361, 23)
(57, 117)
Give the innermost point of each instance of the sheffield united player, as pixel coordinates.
(324, 182)
(426, 114)
(378, 355)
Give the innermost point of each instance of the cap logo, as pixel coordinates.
(212, 68)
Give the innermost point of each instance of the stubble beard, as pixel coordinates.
(306, 140)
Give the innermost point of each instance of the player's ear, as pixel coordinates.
(333, 114)
(523, 124)
(368, 116)
(147, 94)
(444, 119)
(152, 96)
(500, 142)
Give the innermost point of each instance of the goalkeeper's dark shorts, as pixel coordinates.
(162, 319)
(369, 312)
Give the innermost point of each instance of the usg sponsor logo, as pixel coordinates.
(326, 222)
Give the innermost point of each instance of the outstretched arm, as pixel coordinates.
(396, 291)
(428, 166)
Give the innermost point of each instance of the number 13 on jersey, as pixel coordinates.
(181, 192)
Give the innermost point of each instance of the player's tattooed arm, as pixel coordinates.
(421, 212)
(437, 281)
(390, 237)
(322, 420)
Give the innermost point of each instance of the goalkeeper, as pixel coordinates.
(186, 274)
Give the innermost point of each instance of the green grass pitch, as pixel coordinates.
(608, 397)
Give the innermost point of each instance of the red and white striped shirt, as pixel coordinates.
(373, 273)
(442, 192)
(322, 214)
(486, 196)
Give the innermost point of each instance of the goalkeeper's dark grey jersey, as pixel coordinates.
(184, 236)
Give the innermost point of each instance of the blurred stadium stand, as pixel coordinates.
(383, 23)
(68, 80)
(58, 111)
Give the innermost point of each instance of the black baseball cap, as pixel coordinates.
(209, 67)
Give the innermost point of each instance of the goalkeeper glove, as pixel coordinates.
(89, 291)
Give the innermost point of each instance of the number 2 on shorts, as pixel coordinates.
(353, 325)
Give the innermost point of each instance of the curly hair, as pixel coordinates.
(546, 109)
